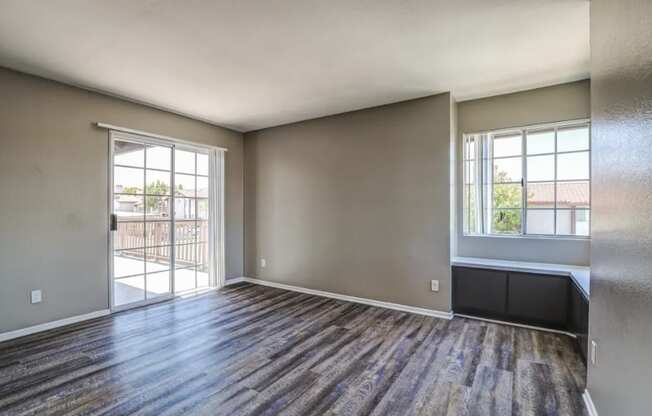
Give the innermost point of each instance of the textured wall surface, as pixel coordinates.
(53, 206)
(356, 203)
(544, 105)
(621, 248)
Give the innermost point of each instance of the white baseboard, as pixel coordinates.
(5, 336)
(588, 401)
(233, 281)
(347, 298)
(536, 328)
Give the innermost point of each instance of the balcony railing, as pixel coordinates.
(152, 241)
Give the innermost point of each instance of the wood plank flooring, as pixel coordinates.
(254, 350)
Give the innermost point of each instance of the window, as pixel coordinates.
(529, 181)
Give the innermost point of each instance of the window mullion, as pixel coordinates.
(489, 179)
(173, 222)
(482, 148)
(554, 185)
(524, 182)
(145, 221)
(479, 204)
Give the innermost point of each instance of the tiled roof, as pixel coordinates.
(568, 193)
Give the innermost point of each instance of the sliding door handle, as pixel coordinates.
(113, 223)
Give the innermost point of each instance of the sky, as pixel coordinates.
(541, 166)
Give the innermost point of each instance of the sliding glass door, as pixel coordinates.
(191, 207)
(160, 220)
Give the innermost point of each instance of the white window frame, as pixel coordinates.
(483, 173)
(216, 241)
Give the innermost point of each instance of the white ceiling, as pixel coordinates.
(249, 64)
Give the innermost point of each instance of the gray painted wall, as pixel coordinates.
(557, 103)
(53, 207)
(356, 203)
(621, 248)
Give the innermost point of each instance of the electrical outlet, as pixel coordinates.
(263, 263)
(434, 285)
(594, 352)
(36, 296)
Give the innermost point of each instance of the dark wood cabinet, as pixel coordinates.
(480, 291)
(540, 300)
(578, 320)
(546, 301)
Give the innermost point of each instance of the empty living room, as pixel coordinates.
(409, 207)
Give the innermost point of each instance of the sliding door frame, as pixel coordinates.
(216, 236)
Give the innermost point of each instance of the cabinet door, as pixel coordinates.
(538, 299)
(479, 292)
(579, 318)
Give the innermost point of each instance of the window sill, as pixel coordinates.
(529, 237)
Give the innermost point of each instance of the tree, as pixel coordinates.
(155, 203)
(506, 196)
(157, 188)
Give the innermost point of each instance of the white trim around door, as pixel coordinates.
(162, 137)
(176, 233)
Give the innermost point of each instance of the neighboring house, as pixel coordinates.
(184, 203)
(127, 204)
(573, 200)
